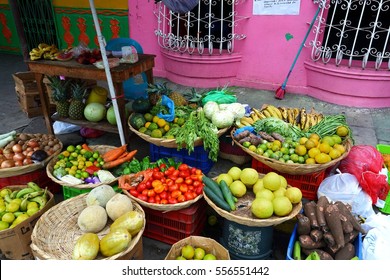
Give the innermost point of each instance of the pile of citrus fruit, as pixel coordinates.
(157, 127)
(306, 150)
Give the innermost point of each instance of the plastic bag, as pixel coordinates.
(345, 187)
(64, 128)
(180, 6)
(87, 132)
(376, 244)
(365, 163)
(219, 96)
(167, 102)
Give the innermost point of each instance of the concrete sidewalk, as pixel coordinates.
(369, 127)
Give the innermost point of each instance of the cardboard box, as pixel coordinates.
(15, 242)
(208, 244)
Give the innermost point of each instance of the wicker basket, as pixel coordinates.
(164, 207)
(50, 167)
(56, 232)
(20, 170)
(295, 168)
(168, 143)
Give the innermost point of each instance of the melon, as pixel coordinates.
(92, 219)
(95, 112)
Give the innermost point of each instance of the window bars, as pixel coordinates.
(209, 27)
(352, 33)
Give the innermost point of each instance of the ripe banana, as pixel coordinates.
(248, 120)
(266, 113)
(21, 193)
(303, 118)
(284, 113)
(245, 123)
(274, 111)
(290, 116)
(254, 116)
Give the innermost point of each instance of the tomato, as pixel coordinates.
(145, 192)
(156, 183)
(193, 170)
(175, 194)
(181, 198)
(183, 166)
(143, 197)
(174, 187)
(164, 201)
(156, 169)
(196, 177)
(141, 187)
(158, 175)
(163, 166)
(184, 173)
(163, 195)
(179, 180)
(157, 198)
(148, 184)
(171, 169)
(172, 200)
(159, 188)
(134, 192)
(197, 184)
(199, 190)
(189, 195)
(151, 193)
(183, 188)
(191, 188)
(151, 200)
(188, 181)
(176, 173)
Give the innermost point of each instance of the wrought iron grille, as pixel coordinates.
(352, 33)
(38, 22)
(209, 27)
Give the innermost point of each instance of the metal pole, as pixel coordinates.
(107, 69)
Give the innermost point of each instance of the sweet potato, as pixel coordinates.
(316, 235)
(322, 203)
(346, 253)
(329, 239)
(347, 213)
(308, 243)
(348, 238)
(310, 212)
(242, 135)
(303, 224)
(323, 255)
(347, 226)
(332, 216)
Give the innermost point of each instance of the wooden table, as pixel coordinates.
(72, 69)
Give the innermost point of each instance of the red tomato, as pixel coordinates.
(181, 198)
(164, 201)
(179, 180)
(176, 173)
(188, 181)
(183, 188)
(191, 188)
(174, 187)
(184, 173)
(156, 183)
(134, 192)
(163, 166)
(163, 195)
(145, 192)
(172, 200)
(141, 187)
(199, 190)
(157, 198)
(151, 200)
(197, 184)
(189, 195)
(156, 169)
(158, 175)
(151, 193)
(143, 197)
(183, 166)
(148, 184)
(171, 169)
(175, 194)
(193, 170)
(199, 172)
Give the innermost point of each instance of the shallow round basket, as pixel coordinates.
(56, 232)
(20, 170)
(168, 143)
(243, 215)
(50, 167)
(295, 168)
(164, 207)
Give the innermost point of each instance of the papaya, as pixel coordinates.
(114, 242)
(87, 247)
(132, 221)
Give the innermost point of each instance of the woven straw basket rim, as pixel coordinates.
(164, 207)
(20, 170)
(49, 170)
(168, 143)
(56, 232)
(255, 222)
(295, 168)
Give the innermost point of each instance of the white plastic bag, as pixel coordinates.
(345, 187)
(376, 244)
(64, 128)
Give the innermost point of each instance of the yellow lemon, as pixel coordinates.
(167, 127)
(161, 123)
(337, 139)
(314, 136)
(324, 147)
(310, 144)
(313, 152)
(155, 119)
(300, 150)
(302, 140)
(329, 140)
(147, 124)
(342, 131)
(322, 158)
(339, 147)
(310, 161)
(334, 153)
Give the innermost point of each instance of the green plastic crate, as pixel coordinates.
(385, 149)
(70, 192)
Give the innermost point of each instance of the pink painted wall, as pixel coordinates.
(266, 56)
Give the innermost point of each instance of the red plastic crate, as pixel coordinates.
(170, 227)
(38, 176)
(308, 183)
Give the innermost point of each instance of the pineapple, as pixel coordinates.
(76, 107)
(60, 95)
(156, 91)
(177, 98)
(193, 98)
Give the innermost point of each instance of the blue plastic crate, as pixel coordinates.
(358, 245)
(199, 158)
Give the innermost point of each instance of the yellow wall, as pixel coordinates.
(99, 4)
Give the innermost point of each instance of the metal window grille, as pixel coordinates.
(352, 33)
(209, 27)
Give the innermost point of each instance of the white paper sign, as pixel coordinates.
(276, 7)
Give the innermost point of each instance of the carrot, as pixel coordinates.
(114, 153)
(86, 147)
(119, 161)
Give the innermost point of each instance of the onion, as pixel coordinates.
(33, 143)
(19, 163)
(27, 161)
(17, 148)
(7, 163)
(18, 157)
(9, 155)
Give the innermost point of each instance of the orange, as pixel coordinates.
(161, 123)
(342, 131)
(302, 140)
(314, 136)
(334, 153)
(310, 144)
(277, 143)
(300, 150)
(313, 152)
(339, 147)
(147, 124)
(322, 158)
(329, 140)
(310, 161)
(324, 147)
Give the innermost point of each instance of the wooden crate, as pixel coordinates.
(25, 82)
(30, 103)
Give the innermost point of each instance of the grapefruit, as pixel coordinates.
(294, 195)
(235, 172)
(282, 206)
(249, 176)
(272, 181)
(238, 188)
(226, 177)
(262, 208)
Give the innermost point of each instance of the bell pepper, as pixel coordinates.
(92, 169)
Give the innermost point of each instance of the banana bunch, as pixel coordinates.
(18, 205)
(295, 116)
(44, 51)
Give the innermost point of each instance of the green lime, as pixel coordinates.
(8, 217)
(156, 133)
(3, 225)
(148, 117)
(181, 121)
(70, 148)
(78, 147)
(142, 129)
(212, 220)
(152, 126)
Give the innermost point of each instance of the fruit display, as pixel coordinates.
(326, 231)
(21, 149)
(18, 205)
(87, 56)
(94, 218)
(246, 193)
(164, 184)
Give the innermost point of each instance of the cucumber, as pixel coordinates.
(221, 203)
(227, 194)
(213, 186)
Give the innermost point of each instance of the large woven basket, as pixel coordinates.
(20, 170)
(295, 168)
(50, 168)
(244, 216)
(56, 232)
(164, 207)
(168, 143)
